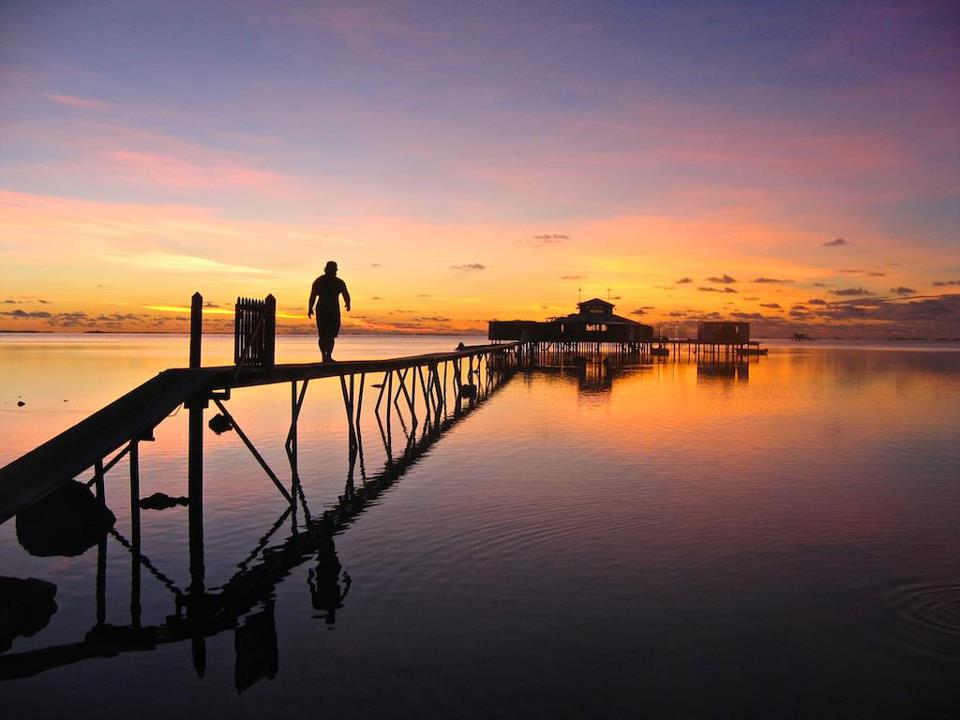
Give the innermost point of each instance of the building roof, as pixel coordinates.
(587, 318)
(596, 301)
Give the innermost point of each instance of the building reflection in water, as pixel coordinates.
(723, 371)
(596, 374)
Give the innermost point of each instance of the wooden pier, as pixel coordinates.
(244, 603)
(129, 420)
(450, 386)
(121, 426)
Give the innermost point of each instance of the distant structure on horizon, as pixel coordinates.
(594, 322)
(724, 332)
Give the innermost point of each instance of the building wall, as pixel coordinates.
(723, 332)
(568, 331)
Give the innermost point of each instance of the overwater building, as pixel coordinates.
(723, 333)
(594, 322)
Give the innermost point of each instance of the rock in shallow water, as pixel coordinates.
(162, 501)
(26, 607)
(67, 522)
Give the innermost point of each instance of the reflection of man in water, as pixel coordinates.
(326, 292)
(324, 582)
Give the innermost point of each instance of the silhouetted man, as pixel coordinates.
(326, 292)
(324, 582)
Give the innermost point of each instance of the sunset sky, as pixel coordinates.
(795, 164)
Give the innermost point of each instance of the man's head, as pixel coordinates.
(330, 268)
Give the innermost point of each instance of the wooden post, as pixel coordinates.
(102, 581)
(195, 528)
(389, 412)
(195, 493)
(135, 524)
(98, 477)
(196, 328)
(269, 330)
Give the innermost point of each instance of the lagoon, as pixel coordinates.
(774, 538)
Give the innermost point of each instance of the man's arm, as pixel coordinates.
(346, 297)
(312, 300)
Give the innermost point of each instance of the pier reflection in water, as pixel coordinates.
(245, 602)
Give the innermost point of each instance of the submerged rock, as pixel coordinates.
(26, 607)
(67, 522)
(162, 501)
(220, 424)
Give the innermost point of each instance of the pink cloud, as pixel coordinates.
(205, 170)
(119, 153)
(79, 103)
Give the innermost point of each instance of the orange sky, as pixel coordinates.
(460, 167)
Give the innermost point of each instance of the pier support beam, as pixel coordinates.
(197, 590)
(195, 493)
(135, 539)
(296, 404)
(253, 450)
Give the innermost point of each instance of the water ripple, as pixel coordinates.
(929, 618)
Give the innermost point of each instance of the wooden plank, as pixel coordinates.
(228, 377)
(44, 469)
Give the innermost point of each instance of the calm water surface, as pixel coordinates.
(776, 539)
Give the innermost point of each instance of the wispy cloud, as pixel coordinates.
(903, 291)
(184, 310)
(79, 103)
(717, 290)
(469, 267)
(935, 313)
(683, 281)
(852, 292)
(18, 313)
(747, 315)
(771, 281)
(188, 171)
(546, 239)
(836, 242)
(724, 279)
(179, 263)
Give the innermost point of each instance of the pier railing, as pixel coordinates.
(255, 331)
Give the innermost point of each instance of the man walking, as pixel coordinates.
(326, 292)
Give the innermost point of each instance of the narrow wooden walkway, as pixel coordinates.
(240, 595)
(133, 416)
